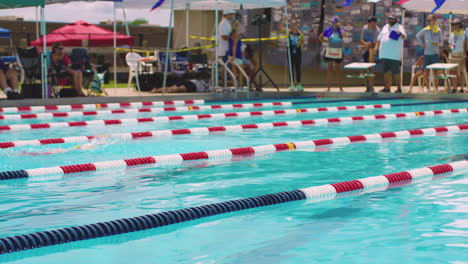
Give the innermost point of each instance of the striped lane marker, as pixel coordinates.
(150, 221)
(233, 128)
(227, 153)
(53, 108)
(143, 110)
(133, 121)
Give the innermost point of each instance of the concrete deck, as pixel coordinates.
(128, 95)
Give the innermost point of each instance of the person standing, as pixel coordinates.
(296, 41)
(390, 45)
(457, 52)
(334, 51)
(369, 36)
(224, 31)
(430, 38)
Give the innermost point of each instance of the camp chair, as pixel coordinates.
(29, 62)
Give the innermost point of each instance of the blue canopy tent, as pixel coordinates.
(5, 33)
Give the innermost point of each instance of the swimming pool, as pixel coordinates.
(424, 222)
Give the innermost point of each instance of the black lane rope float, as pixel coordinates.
(150, 221)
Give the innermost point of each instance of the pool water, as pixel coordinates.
(419, 223)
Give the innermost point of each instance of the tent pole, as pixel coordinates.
(216, 64)
(168, 46)
(402, 50)
(187, 24)
(288, 50)
(450, 21)
(37, 23)
(44, 55)
(115, 45)
(127, 30)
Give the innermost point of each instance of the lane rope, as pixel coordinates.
(144, 110)
(233, 128)
(150, 221)
(226, 153)
(51, 108)
(135, 121)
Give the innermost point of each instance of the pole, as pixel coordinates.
(37, 23)
(168, 46)
(402, 50)
(115, 45)
(127, 31)
(450, 21)
(216, 64)
(288, 49)
(187, 24)
(45, 94)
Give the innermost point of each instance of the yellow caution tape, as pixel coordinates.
(148, 52)
(243, 40)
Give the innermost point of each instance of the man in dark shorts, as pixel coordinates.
(390, 47)
(9, 81)
(369, 36)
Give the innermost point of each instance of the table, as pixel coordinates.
(445, 67)
(365, 72)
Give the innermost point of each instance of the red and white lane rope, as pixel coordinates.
(134, 121)
(380, 183)
(233, 128)
(76, 107)
(229, 153)
(144, 110)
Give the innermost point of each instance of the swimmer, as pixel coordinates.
(96, 142)
(457, 157)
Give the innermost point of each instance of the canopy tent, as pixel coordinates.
(8, 4)
(450, 6)
(75, 33)
(5, 33)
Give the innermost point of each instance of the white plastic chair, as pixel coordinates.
(134, 68)
(420, 78)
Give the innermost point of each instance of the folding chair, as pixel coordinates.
(29, 63)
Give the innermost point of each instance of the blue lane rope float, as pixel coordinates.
(377, 99)
(150, 221)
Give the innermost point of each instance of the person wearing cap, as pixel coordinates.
(224, 31)
(369, 35)
(457, 53)
(430, 38)
(390, 45)
(333, 55)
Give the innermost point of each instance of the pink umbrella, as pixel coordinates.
(73, 35)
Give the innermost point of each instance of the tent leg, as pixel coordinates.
(43, 55)
(402, 51)
(288, 51)
(168, 46)
(115, 45)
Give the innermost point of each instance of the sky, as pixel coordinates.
(90, 12)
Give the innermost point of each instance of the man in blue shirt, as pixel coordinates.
(430, 38)
(9, 81)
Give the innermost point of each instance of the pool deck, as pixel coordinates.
(117, 95)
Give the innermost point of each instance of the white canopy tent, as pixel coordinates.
(206, 5)
(450, 6)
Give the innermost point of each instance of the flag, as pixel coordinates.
(402, 2)
(348, 2)
(158, 4)
(439, 4)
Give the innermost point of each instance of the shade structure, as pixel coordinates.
(73, 35)
(450, 6)
(5, 33)
(6, 4)
(184, 4)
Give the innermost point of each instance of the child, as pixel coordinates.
(418, 72)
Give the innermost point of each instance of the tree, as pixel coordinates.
(138, 21)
